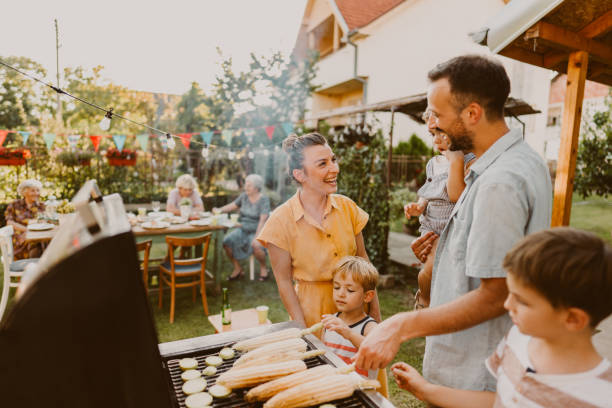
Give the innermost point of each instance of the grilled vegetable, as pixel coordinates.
(259, 341)
(219, 391)
(249, 376)
(327, 406)
(295, 344)
(322, 390)
(188, 364)
(267, 390)
(214, 361)
(277, 358)
(198, 400)
(210, 370)
(194, 386)
(190, 375)
(226, 353)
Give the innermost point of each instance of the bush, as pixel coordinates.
(594, 161)
(74, 158)
(399, 198)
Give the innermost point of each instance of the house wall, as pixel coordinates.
(404, 44)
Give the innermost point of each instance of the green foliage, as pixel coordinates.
(74, 157)
(415, 146)
(418, 153)
(594, 161)
(399, 198)
(363, 169)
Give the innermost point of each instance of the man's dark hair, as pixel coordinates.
(474, 78)
(569, 267)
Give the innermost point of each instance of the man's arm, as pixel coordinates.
(482, 304)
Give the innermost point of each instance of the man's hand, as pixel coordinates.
(413, 209)
(380, 345)
(422, 245)
(409, 379)
(333, 323)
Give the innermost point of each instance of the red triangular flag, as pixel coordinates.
(95, 140)
(270, 131)
(3, 134)
(186, 139)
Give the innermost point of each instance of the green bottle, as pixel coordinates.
(226, 310)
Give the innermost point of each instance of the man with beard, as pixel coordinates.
(508, 195)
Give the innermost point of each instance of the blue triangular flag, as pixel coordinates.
(25, 135)
(49, 139)
(207, 137)
(227, 135)
(119, 141)
(143, 140)
(287, 127)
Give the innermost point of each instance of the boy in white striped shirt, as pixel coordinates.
(560, 285)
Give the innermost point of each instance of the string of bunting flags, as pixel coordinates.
(186, 139)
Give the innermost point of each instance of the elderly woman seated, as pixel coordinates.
(22, 212)
(254, 209)
(186, 190)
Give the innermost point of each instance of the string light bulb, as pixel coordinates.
(106, 120)
(170, 141)
(251, 155)
(205, 152)
(231, 155)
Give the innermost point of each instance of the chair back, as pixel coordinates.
(6, 247)
(176, 242)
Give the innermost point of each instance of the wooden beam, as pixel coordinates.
(599, 26)
(554, 58)
(522, 55)
(570, 130)
(558, 37)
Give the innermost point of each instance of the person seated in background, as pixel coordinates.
(22, 212)
(254, 209)
(559, 283)
(186, 187)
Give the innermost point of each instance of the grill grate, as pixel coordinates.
(236, 398)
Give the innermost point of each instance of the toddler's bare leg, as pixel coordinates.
(424, 279)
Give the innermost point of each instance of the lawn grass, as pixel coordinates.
(593, 214)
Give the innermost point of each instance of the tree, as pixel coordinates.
(193, 111)
(594, 161)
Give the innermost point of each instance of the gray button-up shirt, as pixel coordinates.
(508, 195)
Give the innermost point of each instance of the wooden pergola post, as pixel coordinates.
(570, 130)
(390, 153)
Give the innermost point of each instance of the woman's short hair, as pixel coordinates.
(29, 183)
(186, 181)
(256, 180)
(294, 146)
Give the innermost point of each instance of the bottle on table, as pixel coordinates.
(226, 309)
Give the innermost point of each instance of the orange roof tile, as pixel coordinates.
(358, 13)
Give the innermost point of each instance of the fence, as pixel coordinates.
(404, 168)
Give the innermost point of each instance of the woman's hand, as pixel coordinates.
(409, 379)
(334, 323)
(422, 245)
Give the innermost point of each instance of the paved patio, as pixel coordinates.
(399, 251)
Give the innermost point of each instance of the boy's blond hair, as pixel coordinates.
(360, 270)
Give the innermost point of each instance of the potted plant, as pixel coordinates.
(13, 157)
(74, 158)
(185, 207)
(123, 157)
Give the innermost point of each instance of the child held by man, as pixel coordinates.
(437, 197)
(354, 282)
(560, 285)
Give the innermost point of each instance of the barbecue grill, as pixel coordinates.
(202, 347)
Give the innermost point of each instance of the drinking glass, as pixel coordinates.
(156, 205)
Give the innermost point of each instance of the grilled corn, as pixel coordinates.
(267, 390)
(322, 390)
(259, 341)
(249, 376)
(277, 358)
(295, 344)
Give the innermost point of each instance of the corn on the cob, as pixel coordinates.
(249, 376)
(277, 358)
(259, 341)
(322, 390)
(296, 344)
(267, 390)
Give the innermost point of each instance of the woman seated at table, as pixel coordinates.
(22, 212)
(254, 209)
(186, 187)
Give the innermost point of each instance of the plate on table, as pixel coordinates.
(160, 214)
(176, 220)
(40, 226)
(200, 223)
(205, 214)
(155, 225)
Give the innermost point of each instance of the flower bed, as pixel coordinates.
(74, 158)
(121, 157)
(13, 157)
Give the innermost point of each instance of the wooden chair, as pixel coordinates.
(173, 270)
(146, 247)
(12, 270)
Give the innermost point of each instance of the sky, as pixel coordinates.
(155, 45)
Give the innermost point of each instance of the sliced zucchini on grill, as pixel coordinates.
(214, 361)
(226, 353)
(219, 391)
(188, 364)
(210, 370)
(198, 400)
(194, 386)
(190, 375)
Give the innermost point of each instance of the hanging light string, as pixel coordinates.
(108, 113)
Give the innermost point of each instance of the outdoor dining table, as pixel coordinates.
(158, 235)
